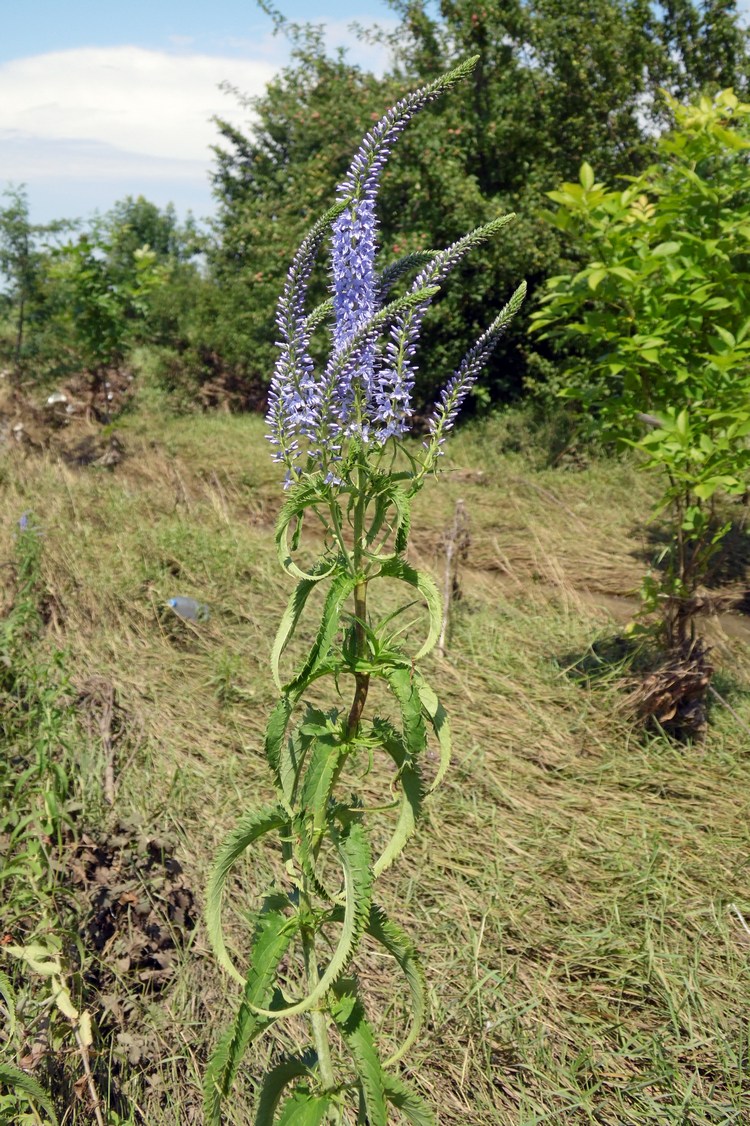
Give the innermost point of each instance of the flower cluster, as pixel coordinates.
(365, 390)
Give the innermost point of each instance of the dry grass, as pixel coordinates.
(573, 882)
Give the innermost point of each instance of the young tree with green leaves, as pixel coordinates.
(24, 251)
(659, 322)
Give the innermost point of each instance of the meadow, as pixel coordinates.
(578, 887)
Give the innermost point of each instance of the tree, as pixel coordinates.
(559, 81)
(658, 317)
(104, 306)
(23, 251)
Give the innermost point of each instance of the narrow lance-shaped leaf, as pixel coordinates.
(18, 1080)
(354, 853)
(273, 936)
(397, 943)
(399, 569)
(251, 828)
(438, 717)
(349, 1015)
(292, 615)
(341, 587)
(410, 782)
(301, 497)
(402, 683)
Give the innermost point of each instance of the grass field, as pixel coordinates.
(580, 889)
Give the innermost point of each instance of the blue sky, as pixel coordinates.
(98, 101)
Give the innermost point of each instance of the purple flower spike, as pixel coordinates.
(364, 172)
(455, 391)
(363, 393)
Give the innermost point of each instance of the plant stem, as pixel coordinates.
(361, 680)
(317, 1016)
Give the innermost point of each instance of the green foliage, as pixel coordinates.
(35, 801)
(307, 765)
(105, 296)
(659, 320)
(24, 248)
(558, 82)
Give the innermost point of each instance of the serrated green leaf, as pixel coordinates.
(353, 850)
(402, 505)
(18, 1080)
(397, 942)
(316, 786)
(341, 587)
(398, 568)
(251, 828)
(438, 717)
(349, 1014)
(273, 936)
(274, 1083)
(402, 683)
(304, 1109)
(292, 615)
(410, 806)
(413, 1107)
(301, 497)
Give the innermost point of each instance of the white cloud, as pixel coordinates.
(130, 119)
(136, 100)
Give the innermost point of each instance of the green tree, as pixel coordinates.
(104, 308)
(559, 82)
(658, 319)
(24, 249)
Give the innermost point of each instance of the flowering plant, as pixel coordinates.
(339, 433)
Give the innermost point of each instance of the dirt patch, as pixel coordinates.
(139, 909)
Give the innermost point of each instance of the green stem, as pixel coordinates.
(361, 680)
(317, 1016)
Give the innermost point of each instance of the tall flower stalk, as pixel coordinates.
(339, 432)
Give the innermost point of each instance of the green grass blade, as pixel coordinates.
(250, 829)
(18, 1080)
(273, 935)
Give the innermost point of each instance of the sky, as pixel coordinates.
(100, 100)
